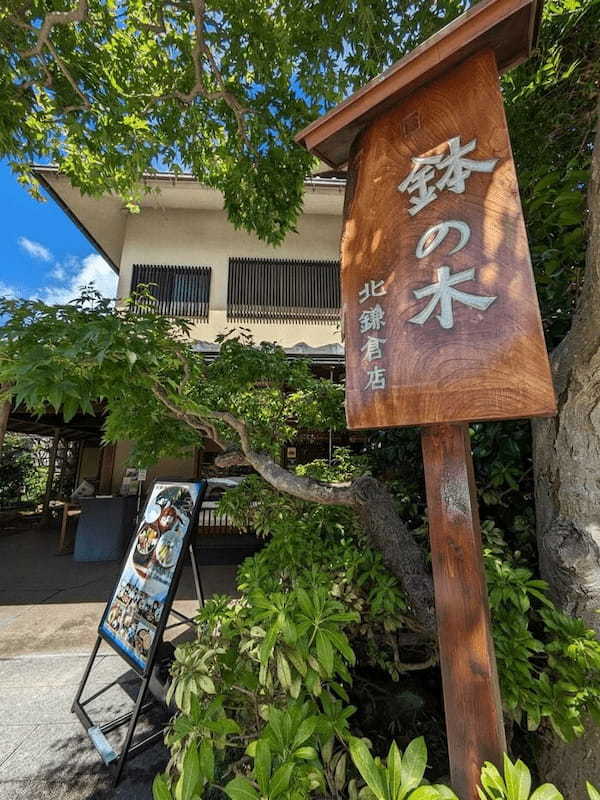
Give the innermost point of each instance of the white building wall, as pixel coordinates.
(185, 237)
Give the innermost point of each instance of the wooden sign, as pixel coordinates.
(441, 317)
(440, 313)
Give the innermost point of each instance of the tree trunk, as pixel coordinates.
(401, 553)
(4, 413)
(567, 477)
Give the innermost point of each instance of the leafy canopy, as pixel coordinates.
(78, 355)
(113, 89)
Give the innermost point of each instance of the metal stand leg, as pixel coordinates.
(130, 730)
(197, 581)
(86, 674)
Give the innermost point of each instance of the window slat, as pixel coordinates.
(177, 291)
(283, 289)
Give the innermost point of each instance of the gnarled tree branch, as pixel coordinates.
(52, 19)
(371, 500)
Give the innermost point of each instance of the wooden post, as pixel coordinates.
(471, 692)
(107, 464)
(432, 203)
(50, 475)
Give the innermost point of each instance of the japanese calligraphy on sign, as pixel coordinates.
(440, 313)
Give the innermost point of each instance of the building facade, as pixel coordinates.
(218, 277)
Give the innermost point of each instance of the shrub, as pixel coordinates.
(265, 691)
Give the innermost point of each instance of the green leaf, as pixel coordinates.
(341, 644)
(262, 764)
(207, 760)
(414, 762)
(546, 791)
(131, 357)
(222, 726)
(160, 788)
(394, 771)
(593, 793)
(188, 784)
(305, 603)
(269, 643)
(517, 778)
(241, 789)
(70, 408)
(283, 672)
(424, 793)
(306, 753)
(365, 764)
(340, 772)
(445, 792)
(325, 653)
(206, 684)
(492, 780)
(281, 780)
(305, 731)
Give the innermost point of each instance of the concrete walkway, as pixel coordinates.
(50, 607)
(45, 753)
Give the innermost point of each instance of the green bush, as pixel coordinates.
(265, 691)
(21, 474)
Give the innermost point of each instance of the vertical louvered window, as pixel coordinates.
(177, 291)
(283, 289)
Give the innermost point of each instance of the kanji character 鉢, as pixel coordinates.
(455, 167)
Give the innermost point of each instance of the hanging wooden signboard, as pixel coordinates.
(441, 317)
(441, 320)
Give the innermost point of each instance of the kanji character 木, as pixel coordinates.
(443, 293)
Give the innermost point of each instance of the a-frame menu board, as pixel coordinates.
(136, 615)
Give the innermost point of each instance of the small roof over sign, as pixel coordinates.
(508, 27)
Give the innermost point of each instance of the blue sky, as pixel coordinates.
(42, 253)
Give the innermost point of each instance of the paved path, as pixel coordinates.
(45, 753)
(50, 607)
(52, 604)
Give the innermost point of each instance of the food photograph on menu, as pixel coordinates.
(143, 589)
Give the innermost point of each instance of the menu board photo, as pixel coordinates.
(141, 601)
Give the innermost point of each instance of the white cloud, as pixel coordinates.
(58, 273)
(92, 269)
(35, 249)
(8, 292)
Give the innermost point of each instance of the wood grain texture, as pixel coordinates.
(492, 364)
(471, 693)
(107, 464)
